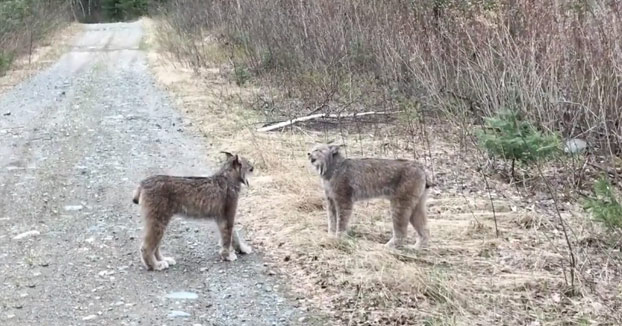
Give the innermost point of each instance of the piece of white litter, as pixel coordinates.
(26, 234)
(177, 313)
(89, 317)
(73, 207)
(182, 295)
(575, 145)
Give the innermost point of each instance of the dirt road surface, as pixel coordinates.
(74, 141)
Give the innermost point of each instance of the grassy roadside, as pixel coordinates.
(45, 53)
(467, 277)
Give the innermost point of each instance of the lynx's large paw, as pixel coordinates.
(228, 255)
(169, 260)
(160, 265)
(244, 248)
(395, 243)
(421, 244)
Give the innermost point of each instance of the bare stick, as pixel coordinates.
(319, 116)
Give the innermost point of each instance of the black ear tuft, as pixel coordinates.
(229, 155)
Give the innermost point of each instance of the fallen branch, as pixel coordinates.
(319, 116)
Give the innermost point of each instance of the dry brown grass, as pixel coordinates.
(467, 277)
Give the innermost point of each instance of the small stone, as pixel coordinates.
(8, 113)
(105, 273)
(89, 317)
(26, 234)
(302, 319)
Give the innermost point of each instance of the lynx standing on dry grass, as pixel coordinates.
(214, 197)
(346, 181)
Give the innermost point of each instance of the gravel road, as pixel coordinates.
(74, 141)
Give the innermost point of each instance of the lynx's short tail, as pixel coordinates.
(136, 195)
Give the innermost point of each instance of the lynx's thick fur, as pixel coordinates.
(346, 181)
(214, 197)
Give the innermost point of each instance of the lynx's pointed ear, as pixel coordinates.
(236, 160)
(229, 155)
(334, 149)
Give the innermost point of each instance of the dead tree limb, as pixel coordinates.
(291, 122)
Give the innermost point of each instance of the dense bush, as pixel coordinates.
(96, 11)
(24, 22)
(124, 9)
(556, 62)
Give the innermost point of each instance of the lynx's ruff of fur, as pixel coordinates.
(346, 181)
(214, 197)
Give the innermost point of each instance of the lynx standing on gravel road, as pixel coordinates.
(214, 197)
(346, 181)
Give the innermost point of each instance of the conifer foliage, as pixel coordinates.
(508, 136)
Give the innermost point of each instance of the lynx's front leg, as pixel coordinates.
(225, 226)
(331, 214)
(239, 245)
(344, 212)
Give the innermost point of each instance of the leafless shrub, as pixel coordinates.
(558, 62)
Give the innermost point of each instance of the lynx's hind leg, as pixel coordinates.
(401, 210)
(419, 220)
(154, 231)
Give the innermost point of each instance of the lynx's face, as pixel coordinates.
(246, 170)
(241, 166)
(321, 156)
